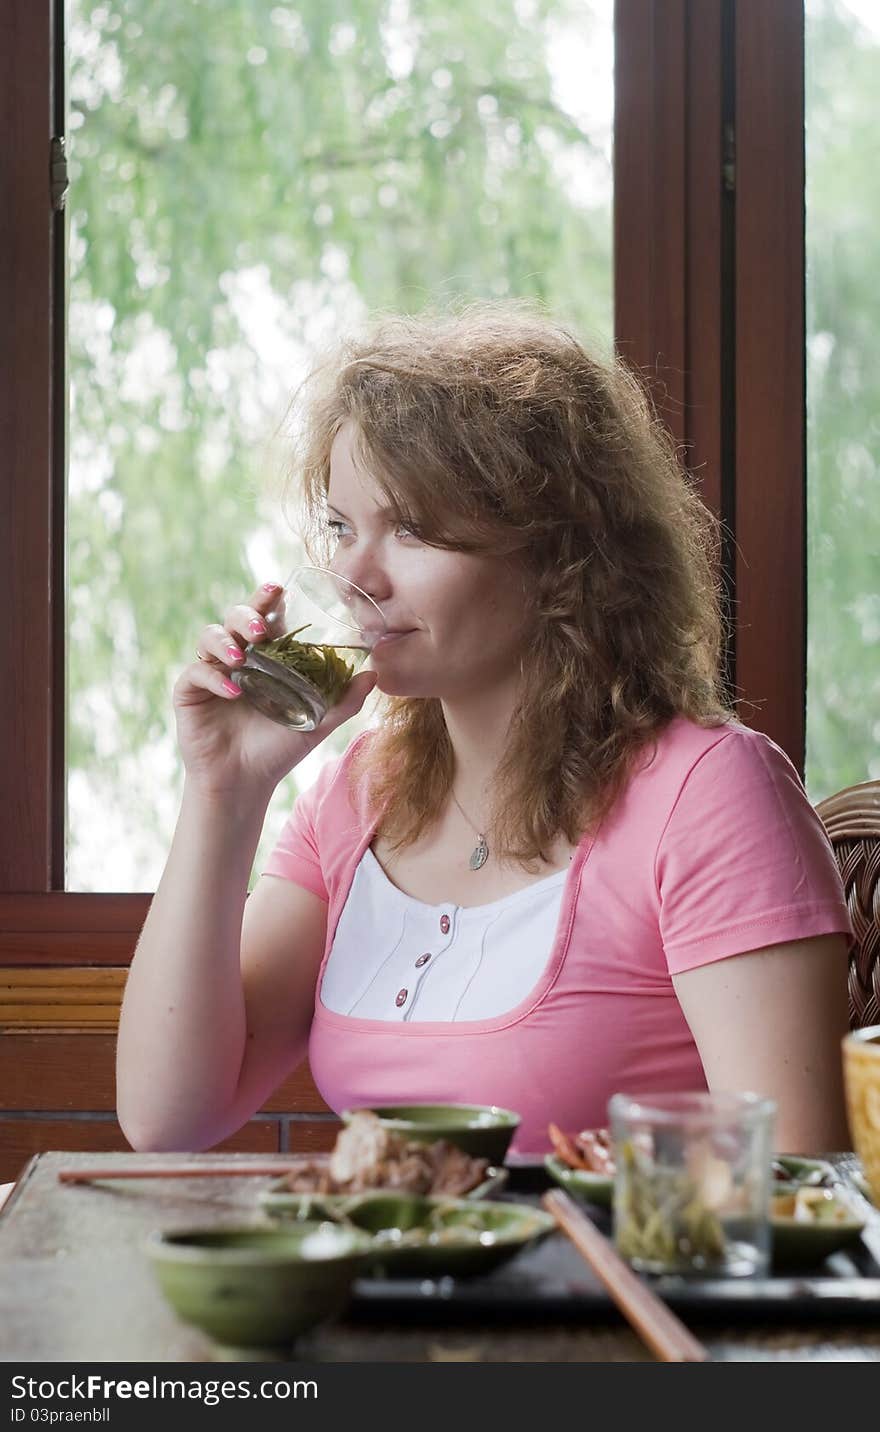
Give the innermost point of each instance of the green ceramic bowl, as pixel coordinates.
(798, 1244)
(414, 1237)
(580, 1182)
(254, 1289)
(481, 1130)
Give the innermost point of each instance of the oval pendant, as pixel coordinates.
(479, 855)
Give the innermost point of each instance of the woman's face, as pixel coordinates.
(459, 619)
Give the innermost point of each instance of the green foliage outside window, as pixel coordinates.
(843, 397)
(248, 179)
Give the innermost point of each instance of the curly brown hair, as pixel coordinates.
(491, 429)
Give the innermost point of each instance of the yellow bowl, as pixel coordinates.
(861, 1075)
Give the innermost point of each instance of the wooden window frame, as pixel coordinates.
(709, 283)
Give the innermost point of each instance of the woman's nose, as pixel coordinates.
(360, 564)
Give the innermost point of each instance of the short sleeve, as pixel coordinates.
(744, 860)
(295, 855)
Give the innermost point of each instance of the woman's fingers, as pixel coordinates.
(208, 676)
(217, 645)
(257, 620)
(223, 650)
(250, 622)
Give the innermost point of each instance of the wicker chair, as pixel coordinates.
(852, 820)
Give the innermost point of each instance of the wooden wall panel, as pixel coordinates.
(77, 1072)
(45, 1077)
(55, 1072)
(60, 999)
(20, 1139)
(58, 926)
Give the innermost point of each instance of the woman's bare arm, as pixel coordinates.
(219, 999)
(772, 1021)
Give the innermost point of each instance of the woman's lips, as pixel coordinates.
(390, 637)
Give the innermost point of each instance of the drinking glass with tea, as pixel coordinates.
(322, 630)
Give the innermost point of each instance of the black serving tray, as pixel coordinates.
(552, 1280)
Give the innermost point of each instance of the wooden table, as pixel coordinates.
(75, 1286)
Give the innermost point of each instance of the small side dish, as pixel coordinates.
(254, 1290)
(415, 1237)
(811, 1216)
(368, 1155)
(810, 1223)
(589, 1150)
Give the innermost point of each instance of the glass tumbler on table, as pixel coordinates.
(321, 632)
(693, 1182)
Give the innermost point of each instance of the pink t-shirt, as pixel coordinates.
(712, 850)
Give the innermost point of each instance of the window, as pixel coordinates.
(708, 112)
(247, 181)
(843, 431)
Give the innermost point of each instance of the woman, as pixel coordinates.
(560, 866)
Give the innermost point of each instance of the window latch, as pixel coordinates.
(58, 180)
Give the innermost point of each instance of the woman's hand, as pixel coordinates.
(225, 742)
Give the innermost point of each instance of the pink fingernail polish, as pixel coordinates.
(234, 654)
(271, 587)
(258, 628)
(232, 688)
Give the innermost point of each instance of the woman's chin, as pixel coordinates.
(392, 678)
(389, 686)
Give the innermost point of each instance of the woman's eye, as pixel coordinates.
(340, 529)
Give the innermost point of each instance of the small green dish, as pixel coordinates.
(279, 1199)
(414, 1237)
(254, 1290)
(598, 1188)
(795, 1244)
(800, 1244)
(594, 1187)
(814, 1173)
(481, 1130)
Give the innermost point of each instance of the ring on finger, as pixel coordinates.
(211, 660)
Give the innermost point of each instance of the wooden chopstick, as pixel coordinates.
(86, 1175)
(655, 1323)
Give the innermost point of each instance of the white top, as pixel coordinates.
(396, 958)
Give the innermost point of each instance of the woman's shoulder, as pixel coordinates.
(683, 743)
(334, 786)
(718, 763)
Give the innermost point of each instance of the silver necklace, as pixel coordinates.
(480, 852)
